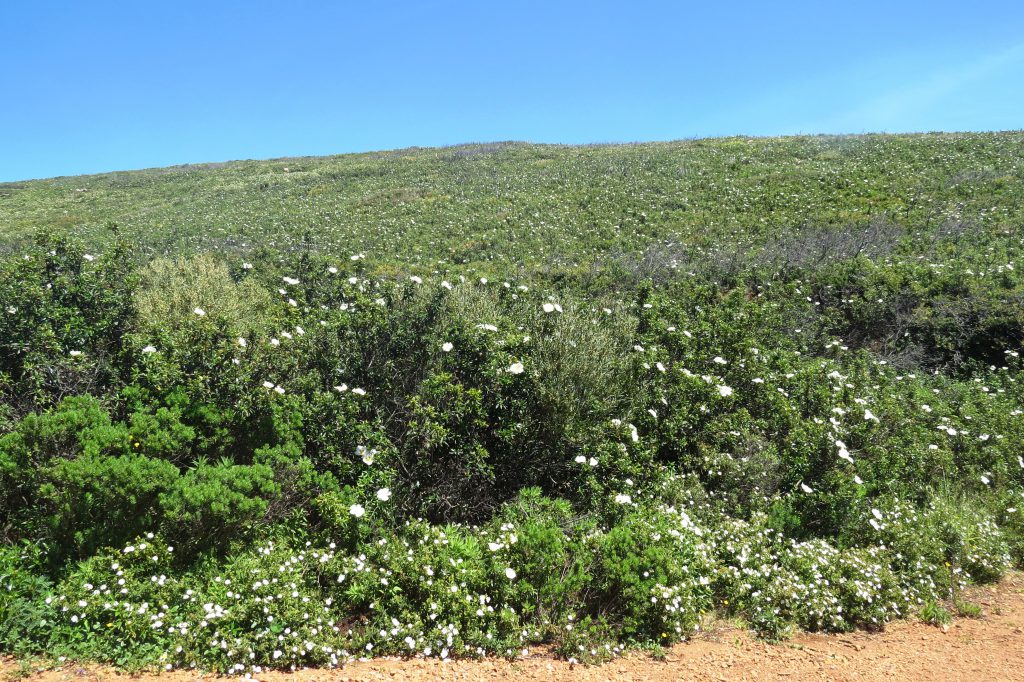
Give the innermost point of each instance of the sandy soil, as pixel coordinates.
(984, 650)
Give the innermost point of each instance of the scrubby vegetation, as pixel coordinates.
(467, 401)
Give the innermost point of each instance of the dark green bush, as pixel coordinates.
(96, 501)
(212, 505)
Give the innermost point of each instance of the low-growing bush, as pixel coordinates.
(94, 501)
(212, 505)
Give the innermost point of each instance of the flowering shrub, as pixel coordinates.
(650, 576)
(582, 404)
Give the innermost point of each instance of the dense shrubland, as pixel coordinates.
(238, 458)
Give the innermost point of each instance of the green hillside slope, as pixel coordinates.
(504, 207)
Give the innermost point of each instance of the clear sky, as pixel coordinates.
(92, 86)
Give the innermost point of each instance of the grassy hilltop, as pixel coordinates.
(466, 401)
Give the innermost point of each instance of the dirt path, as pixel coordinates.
(984, 650)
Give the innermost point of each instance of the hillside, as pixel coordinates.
(510, 207)
(478, 400)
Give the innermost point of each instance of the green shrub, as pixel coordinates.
(214, 504)
(162, 435)
(24, 614)
(650, 575)
(172, 289)
(540, 538)
(446, 465)
(934, 613)
(95, 501)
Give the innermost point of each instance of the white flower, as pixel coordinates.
(359, 391)
(985, 479)
(877, 514)
(724, 391)
(869, 416)
(581, 459)
(384, 494)
(365, 454)
(446, 284)
(622, 498)
(290, 280)
(845, 454)
(416, 280)
(516, 368)
(720, 360)
(633, 434)
(279, 390)
(333, 270)
(447, 346)
(268, 384)
(242, 342)
(75, 353)
(149, 349)
(510, 573)
(858, 480)
(200, 312)
(356, 510)
(549, 307)
(89, 257)
(592, 461)
(806, 488)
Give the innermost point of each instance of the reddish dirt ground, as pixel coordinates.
(985, 649)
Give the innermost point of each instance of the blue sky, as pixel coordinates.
(98, 86)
